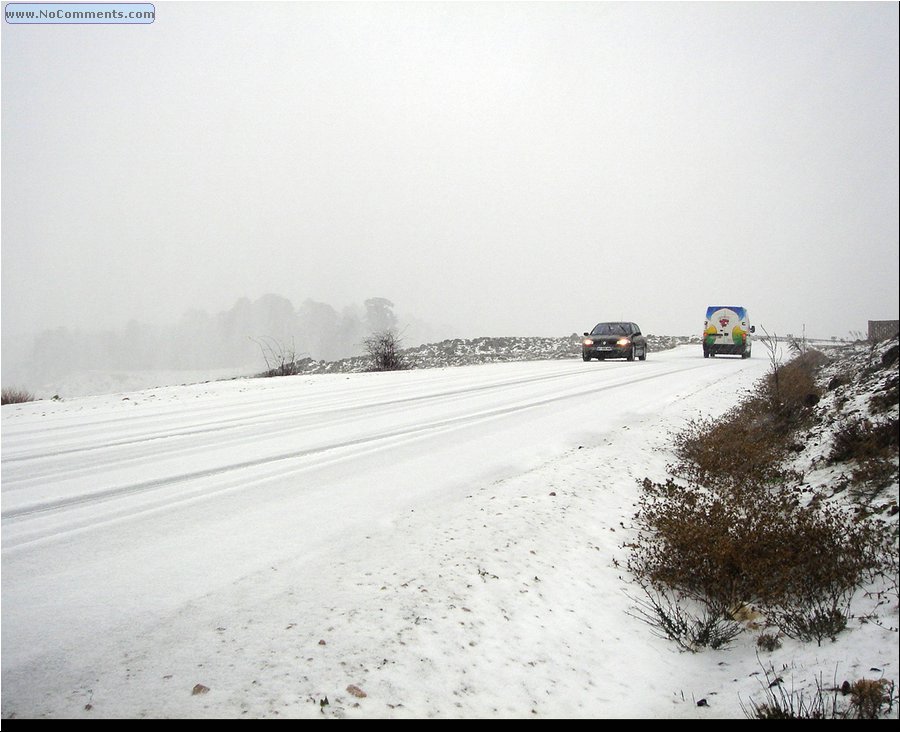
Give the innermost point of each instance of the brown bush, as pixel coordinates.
(790, 389)
(870, 697)
(756, 448)
(768, 642)
(729, 528)
(863, 439)
(756, 431)
(14, 395)
(799, 564)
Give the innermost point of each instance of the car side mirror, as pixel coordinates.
(753, 329)
(586, 333)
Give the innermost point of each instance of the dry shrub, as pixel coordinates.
(732, 525)
(755, 432)
(753, 455)
(870, 698)
(797, 704)
(862, 439)
(692, 624)
(887, 397)
(869, 478)
(768, 642)
(15, 395)
(871, 447)
(813, 617)
(383, 349)
(281, 359)
(839, 380)
(890, 357)
(799, 564)
(790, 390)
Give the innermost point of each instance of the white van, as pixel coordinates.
(727, 331)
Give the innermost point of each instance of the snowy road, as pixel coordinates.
(122, 513)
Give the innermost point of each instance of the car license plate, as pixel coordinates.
(605, 348)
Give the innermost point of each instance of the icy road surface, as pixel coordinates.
(214, 534)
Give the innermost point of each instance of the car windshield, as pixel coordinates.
(610, 329)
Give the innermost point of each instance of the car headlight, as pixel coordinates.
(587, 342)
(622, 342)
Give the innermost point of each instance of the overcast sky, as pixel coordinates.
(504, 168)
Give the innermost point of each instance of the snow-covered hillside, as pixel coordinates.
(442, 542)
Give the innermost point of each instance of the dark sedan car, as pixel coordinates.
(614, 340)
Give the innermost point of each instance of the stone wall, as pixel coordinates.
(882, 330)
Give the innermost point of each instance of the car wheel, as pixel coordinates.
(585, 357)
(644, 354)
(631, 353)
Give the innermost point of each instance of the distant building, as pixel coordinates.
(882, 330)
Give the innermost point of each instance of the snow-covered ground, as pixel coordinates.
(430, 543)
(89, 383)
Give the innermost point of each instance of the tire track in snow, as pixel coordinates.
(303, 459)
(276, 417)
(51, 466)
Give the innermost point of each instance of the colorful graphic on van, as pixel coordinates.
(724, 324)
(726, 332)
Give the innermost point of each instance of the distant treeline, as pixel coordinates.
(231, 339)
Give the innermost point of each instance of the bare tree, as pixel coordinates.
(771, 344)
(281, 359)
(383, 349)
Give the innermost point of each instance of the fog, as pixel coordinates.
(491, 169)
